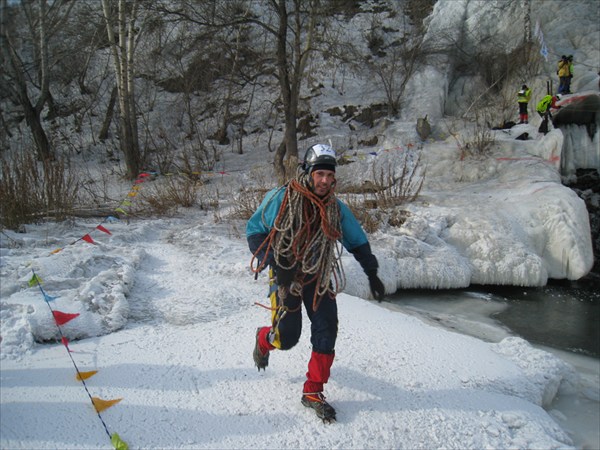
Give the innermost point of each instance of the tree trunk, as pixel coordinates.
(20, 94)
(123, 58)
(291, 72)
(527, 7)
(32, 117)
(110, 110)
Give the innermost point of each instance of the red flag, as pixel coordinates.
(61, 318)
(88, 238)
(65, 342)
(101, 228)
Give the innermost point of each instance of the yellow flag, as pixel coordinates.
(55, 251)
(101, 405)
(85, 375)
(121, 211)
(117, 443)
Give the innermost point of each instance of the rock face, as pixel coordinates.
(583, 110)
(587, 186)
(579, 120)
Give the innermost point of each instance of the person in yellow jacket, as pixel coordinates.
(570, 77)
(523, 97)
(563, 73)
(543, 109)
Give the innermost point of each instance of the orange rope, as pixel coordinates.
(303, 237)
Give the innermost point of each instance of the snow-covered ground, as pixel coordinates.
(183, 364)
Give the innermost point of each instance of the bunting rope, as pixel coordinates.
(61, 318)
(133, 192)
(126, 203)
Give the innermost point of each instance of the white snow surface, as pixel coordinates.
(167, 313)
(182, 364)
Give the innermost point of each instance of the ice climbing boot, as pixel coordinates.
(261, 357)
(316, 401)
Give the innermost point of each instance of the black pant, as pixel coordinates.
(522, 108)
(324, 321)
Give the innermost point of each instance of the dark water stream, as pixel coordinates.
(562, 317)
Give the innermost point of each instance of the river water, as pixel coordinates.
(562, 318)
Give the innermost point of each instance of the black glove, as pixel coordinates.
(284, 277)
(270, 261)
(377, 288)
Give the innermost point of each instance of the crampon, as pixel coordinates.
(316, 401)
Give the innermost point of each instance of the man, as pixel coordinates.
(523, 97)
(543, 108)
(295, 231)
(570, 77)
(563, 74)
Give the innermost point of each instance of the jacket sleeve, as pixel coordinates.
(260, 224)
(354, 239)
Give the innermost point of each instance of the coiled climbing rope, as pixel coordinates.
(305, 236)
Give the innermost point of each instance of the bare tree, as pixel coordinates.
(292, 58)
(122, 44)
(18, 74)
(290, 25)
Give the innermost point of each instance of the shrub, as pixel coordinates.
(31, 190)
(167, 194)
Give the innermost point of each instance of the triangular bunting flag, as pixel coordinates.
(34, 280)
(53, 252)
(64, 341)
(117, 443)
(88, 238)
(120, 210)
(101, 405)
(49, 298)
(132, 194)
(125, 203)
(101, 228)
(61, 318)
(85, 375)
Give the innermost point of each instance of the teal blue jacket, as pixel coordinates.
(354, 239)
